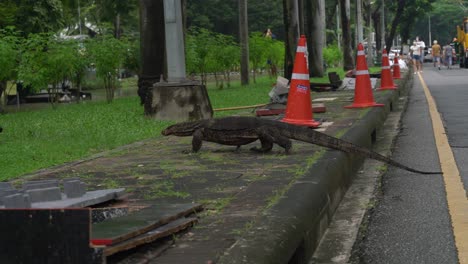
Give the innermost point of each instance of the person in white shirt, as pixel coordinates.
(422, 45)
(415, 51)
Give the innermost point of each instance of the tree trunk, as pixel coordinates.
(301, 17)
(315, 29)
(395, 23)
(376, 20)
(3, 87)
(153, 47)
(359, 23)
(370, 39)
(244, 42)
(117, 28)
(348, 60)
(382, 23)
(291, 25)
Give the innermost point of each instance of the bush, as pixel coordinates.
(332, 55)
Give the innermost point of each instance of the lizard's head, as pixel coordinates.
(181, 129)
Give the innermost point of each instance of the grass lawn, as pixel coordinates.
(37, 139)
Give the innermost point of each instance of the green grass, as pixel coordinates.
(38, 139)
(33, 140)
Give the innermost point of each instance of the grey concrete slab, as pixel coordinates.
(30, 185)
(44, 194)
(18, 200)
(88, 199)
(74, 189)
(5, 185)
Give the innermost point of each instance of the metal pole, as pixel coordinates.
(430, 34)
(338, 25)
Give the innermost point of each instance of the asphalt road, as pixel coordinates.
(411, 223)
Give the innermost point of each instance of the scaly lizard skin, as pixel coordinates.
(238, 131)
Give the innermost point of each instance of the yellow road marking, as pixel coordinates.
(456, 195)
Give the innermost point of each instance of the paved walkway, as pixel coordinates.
(269, 208)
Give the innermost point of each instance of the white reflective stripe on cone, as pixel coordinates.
(300, 76)
(385, 67)
(301, 49)
(361, 52)
(363, 72)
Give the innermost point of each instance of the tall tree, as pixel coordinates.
(31, 16)
(244, 42)
(152, 46)
(115, 13)
(315, 17)
(348, 60)
(359, 22)
(291, 25)
(370, 31)
(397, 15)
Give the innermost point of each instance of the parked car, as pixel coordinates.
(427, 54)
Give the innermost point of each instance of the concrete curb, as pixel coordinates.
(291, 230)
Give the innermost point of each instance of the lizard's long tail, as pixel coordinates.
(325, 140)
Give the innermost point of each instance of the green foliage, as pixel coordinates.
(108, 55)
(31, 16)
(222, 16)
(264, 52)
(332, 55)
(445, 16)
(8, 56)
(132, 60)
(199, 44)
(46, 62)
(209, 52)
(33, 70)
(258, 46)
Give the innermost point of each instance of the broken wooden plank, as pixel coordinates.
(160, 232)
(125, 227)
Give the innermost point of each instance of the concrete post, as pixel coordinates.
(174, 41)
(178, 98)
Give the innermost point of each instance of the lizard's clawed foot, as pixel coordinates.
(260, 150)
(189, 152)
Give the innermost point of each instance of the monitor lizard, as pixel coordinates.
(243, 130)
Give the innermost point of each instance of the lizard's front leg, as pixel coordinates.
(197, 140)
(275, 136)
(265, 139)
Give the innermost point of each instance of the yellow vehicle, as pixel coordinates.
(462, 41)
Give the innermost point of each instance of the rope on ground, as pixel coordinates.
(239, 107)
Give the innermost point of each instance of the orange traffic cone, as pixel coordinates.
(363, 96)
(299, 106)
(386, 80)
(396, 68)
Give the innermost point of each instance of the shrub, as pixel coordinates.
(332, 55)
